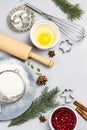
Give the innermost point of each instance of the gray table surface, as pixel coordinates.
(69, 70)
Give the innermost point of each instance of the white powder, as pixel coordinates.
(11, 85)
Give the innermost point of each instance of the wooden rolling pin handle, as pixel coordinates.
(21, 50)
(41, 59)
(14, 47)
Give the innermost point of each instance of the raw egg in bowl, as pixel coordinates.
(44, 34)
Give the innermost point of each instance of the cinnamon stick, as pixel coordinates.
(82, 113)
(78, 104)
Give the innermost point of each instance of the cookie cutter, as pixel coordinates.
(67, 95)
(65, 46)
(21, 18)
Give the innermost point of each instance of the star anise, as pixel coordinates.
(41, 80)
(51, 53)
(42, 118)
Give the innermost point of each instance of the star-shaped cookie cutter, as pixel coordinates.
(65, 46)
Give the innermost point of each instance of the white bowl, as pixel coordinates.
(63, 107)
(51, 25)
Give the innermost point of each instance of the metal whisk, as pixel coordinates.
(73, 31)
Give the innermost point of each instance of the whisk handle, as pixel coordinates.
(47, 16)
(33, 8)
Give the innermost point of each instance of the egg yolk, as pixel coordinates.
(44, 36)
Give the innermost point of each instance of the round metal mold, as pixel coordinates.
(21, 18)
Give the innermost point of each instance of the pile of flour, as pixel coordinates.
(12, 83)
(11, 86)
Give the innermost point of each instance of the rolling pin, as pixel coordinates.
(21, 50)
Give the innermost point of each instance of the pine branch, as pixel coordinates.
(42, 104)
(73, 11)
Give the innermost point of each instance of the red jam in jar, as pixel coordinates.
(63, 118)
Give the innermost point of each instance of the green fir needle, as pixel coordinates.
(45, 102)
(73, 11)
